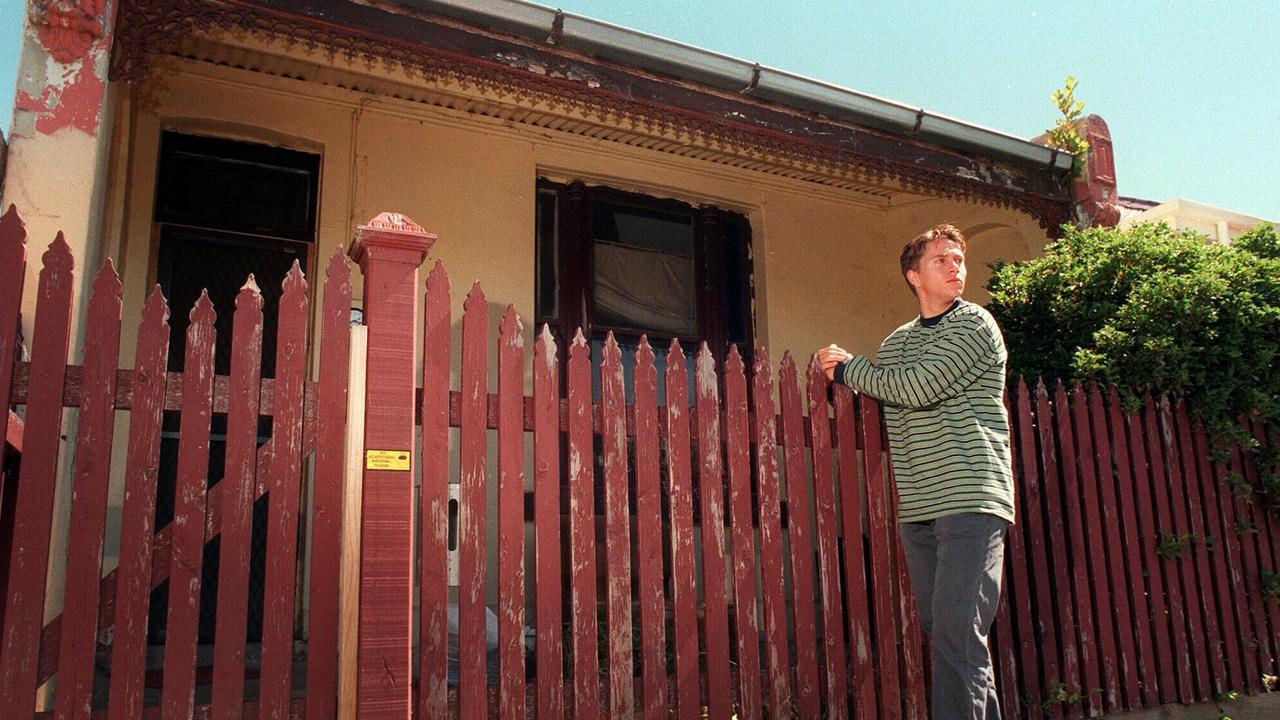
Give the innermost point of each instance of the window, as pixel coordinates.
(609, 260)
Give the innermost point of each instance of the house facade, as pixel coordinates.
(505, 128)
(591, 176)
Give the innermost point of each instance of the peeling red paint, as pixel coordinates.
(77, 104)
(71, 33)
(67, 33)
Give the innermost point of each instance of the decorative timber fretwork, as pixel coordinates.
(615, 102)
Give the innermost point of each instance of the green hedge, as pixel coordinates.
(1152, 309)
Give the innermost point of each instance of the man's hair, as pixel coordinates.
(914, 250)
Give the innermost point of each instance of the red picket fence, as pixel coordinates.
(710, 552)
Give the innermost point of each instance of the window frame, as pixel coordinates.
(711, 237)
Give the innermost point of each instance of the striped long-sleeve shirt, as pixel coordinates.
(942, 386)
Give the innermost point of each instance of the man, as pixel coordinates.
(941, 379)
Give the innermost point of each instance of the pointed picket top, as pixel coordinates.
(475, 301)
(249, 293)
(816, 384)
(11, 224)
(578, 348)
(339, 270)
(1059, 395)
(612, 356)
(544, 347)
(156, 311)
(815, 367)
(295, 281)
(1041, 388)
(1021, 387)
(733, 362)
(511, 329)
(438, 278)
(202, 312)
(644, 352)
(704, 367)
(787, 368)
(675, 356)
(761, 367)
(58, 257)
(107, 282)
(13, 238)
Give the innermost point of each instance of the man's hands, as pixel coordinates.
(831, 356)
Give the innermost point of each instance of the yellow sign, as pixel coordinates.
(386, 459)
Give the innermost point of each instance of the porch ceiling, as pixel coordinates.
(395, 52)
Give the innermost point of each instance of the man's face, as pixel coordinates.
(940, 279)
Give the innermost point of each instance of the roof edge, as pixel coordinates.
(649, 52)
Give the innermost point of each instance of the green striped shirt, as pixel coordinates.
(942, 387)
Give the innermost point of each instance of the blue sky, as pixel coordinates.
(1191, 90)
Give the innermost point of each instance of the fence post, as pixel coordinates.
(389, 250)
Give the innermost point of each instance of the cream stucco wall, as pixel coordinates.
(825, 259)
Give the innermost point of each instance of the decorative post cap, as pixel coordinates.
(394, 232)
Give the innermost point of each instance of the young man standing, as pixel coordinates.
(941, 378)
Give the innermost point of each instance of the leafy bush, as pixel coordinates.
(1152, 309)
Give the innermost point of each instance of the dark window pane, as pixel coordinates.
(245, 187)
(548, 258)
(643, 273)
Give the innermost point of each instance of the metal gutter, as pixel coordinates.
(649, 52)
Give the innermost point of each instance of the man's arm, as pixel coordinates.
(945, 368)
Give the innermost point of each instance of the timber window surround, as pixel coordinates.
(610, 260)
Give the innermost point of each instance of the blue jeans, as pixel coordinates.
(956, 563)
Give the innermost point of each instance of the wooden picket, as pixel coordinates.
(275, 684)
(1126, 482)
(582, 534)
(861, 658)
(1052, 499)
(433, 500)
(89, 499)
(878, 537)
(653, 646)
(680, 497)
(613, 422)
(1025, 550)
(777, 660)
(13, 255)
(1195, 665)
(37, 477)
(472, 482)
(237, 513)
(746, 604)
(511, 517)
(1095, 556)
(800, 495)
(829, 560)
(1072, 484)
(327, 491)
(1123, 652)
(799, 535)
(187, 555)
(547, 609)
(1218, 586)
